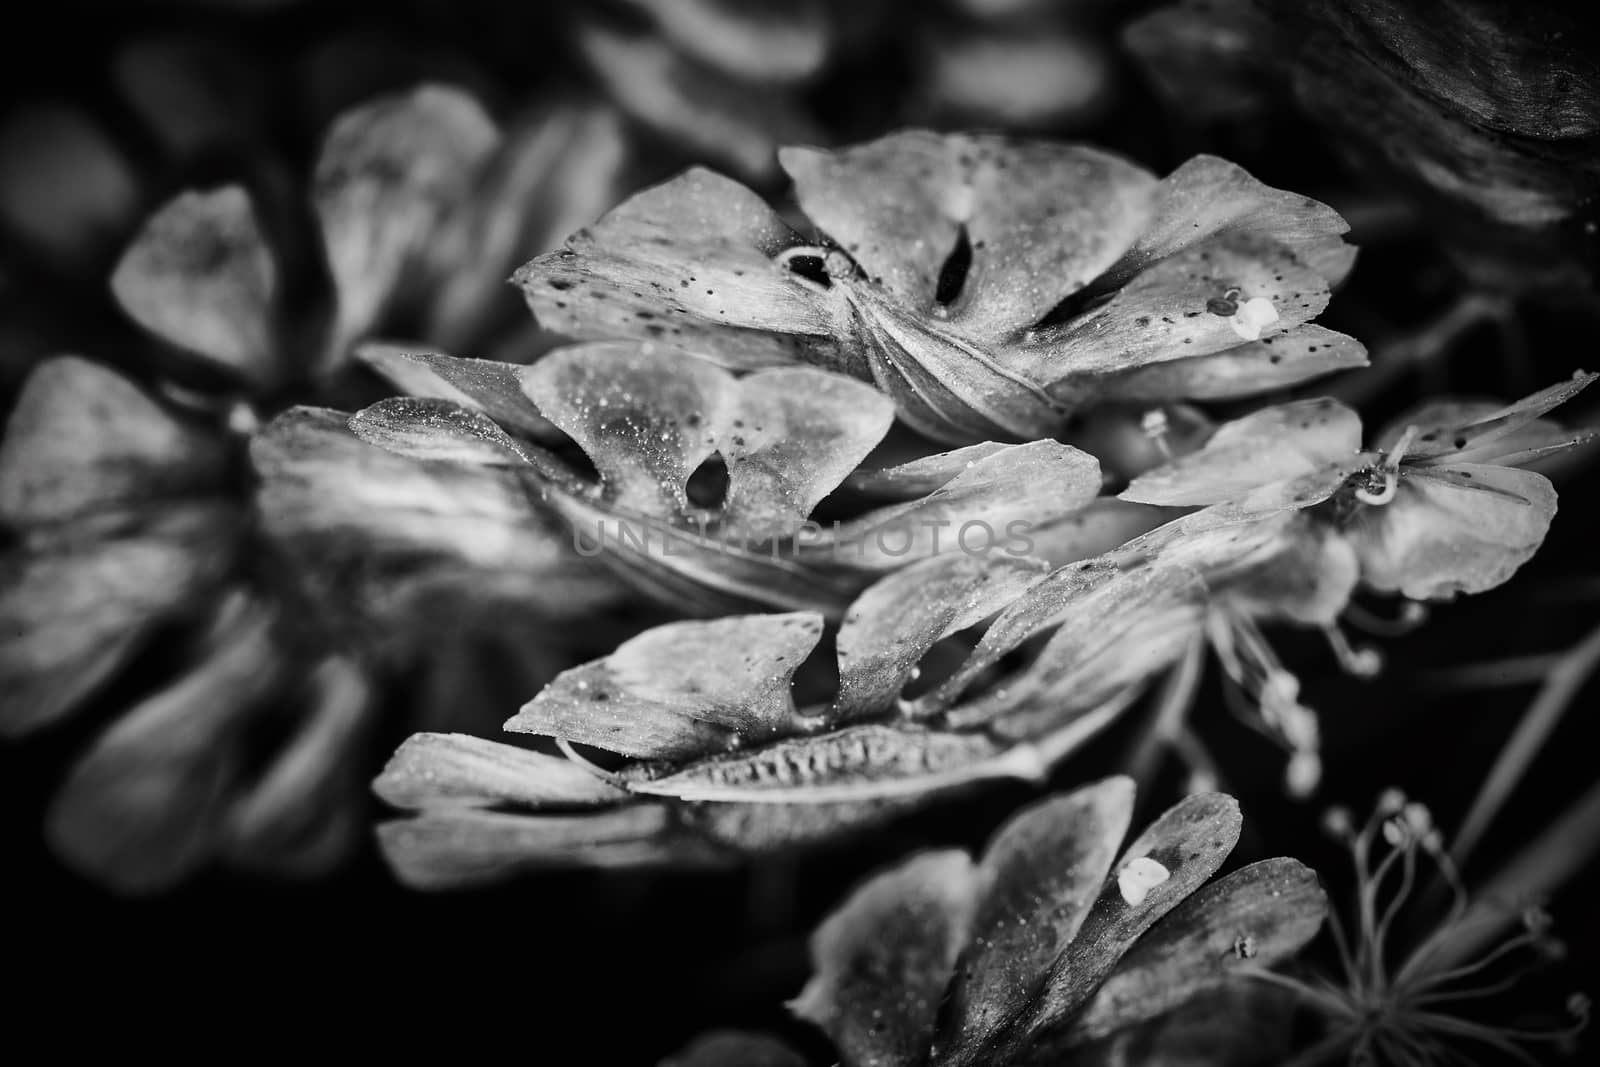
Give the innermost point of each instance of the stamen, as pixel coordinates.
(1413, 613)
(1391, 486)
(1155, 426)
(593, 768)
(1364, 662)
(1391, 462)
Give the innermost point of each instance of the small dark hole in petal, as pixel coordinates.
(957, 265)
(707, 487)
(810, 268)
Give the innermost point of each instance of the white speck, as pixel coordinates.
(1139, 877)
(1252, 316)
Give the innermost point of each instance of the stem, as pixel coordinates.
(1172, 709)
(1563, 683)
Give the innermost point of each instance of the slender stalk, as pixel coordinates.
(1563, 683)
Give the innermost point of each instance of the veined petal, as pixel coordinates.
(1190, 841)
(1458, 432)
(1208, 196)
(1461, 528)
(682, 689)
(438, 430)
(1041, 220)
(1262, 914)
(200, 276)
(1040, 874)
(988, 508)
(898, 619)
(881, 961)
(921, 476)
(690, 264)
(1183, 305)
(788, 436)
(485, 385)
(1297, 355)
(1271, 445)
(83, 440)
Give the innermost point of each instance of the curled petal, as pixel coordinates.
(485, 385)
(897, 620)
(455, 770)
(1457, 432)
(437, 430)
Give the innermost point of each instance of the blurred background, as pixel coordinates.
(1462, 143)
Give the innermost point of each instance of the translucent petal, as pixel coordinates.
(1462, 528)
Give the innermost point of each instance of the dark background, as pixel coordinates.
(590, 969)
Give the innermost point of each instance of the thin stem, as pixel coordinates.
(1172, 709)
(1565, 680)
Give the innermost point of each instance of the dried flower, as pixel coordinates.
(131, 523)
(955, 273)
(1441, 506)
(651, 419)
(1037, 947)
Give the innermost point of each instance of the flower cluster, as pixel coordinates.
(796, 520)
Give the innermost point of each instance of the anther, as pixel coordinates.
(1362, 662)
